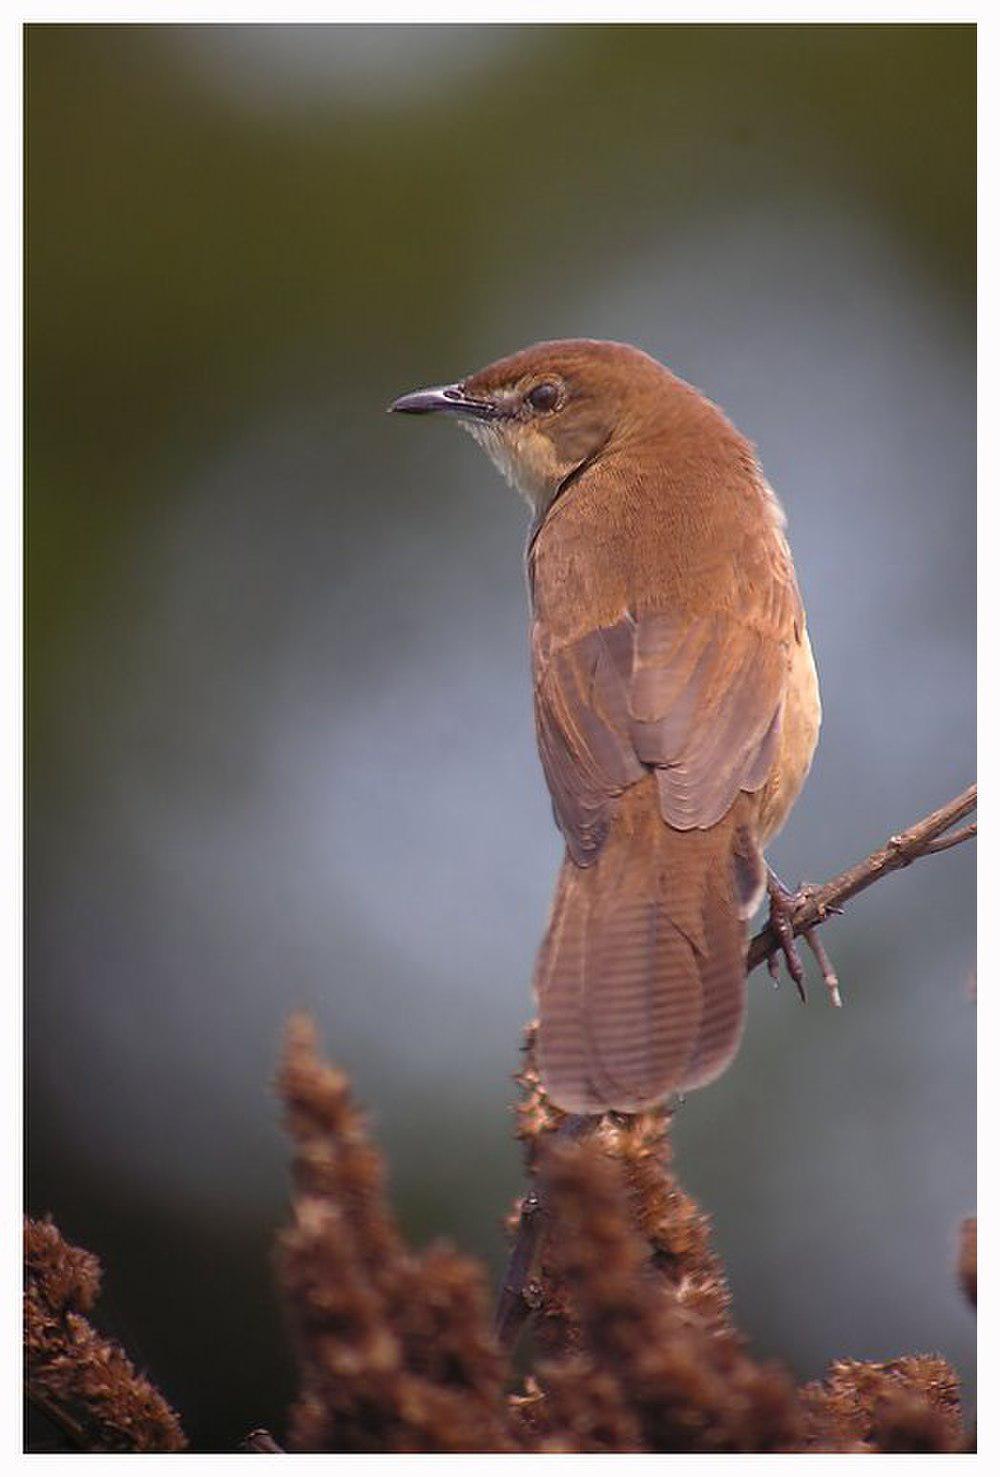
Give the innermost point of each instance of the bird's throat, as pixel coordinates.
(524, 458)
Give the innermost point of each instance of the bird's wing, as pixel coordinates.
(584, 732)
(705, 706)
(696, 699)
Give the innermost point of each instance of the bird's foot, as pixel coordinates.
(783, 907)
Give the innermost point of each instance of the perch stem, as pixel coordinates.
(923, 839)
(513, 1307)
(260, 1440)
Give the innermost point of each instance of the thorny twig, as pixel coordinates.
(923, 839)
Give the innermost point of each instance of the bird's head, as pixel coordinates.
(547, 412)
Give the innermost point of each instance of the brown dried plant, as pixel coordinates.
(84, 1383)
(636, 1349)
(394, 1347)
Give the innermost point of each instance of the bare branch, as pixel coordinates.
(933, 834)
(953, 838)
(261, 1441)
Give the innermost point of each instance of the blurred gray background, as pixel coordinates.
(280, 737)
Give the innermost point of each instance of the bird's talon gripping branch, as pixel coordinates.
(774, 968)
(808, 892)
(793, 963)
(822, 958)
(784, 906)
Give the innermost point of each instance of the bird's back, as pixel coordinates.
(667, 627)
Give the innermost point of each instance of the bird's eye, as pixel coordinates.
(543, 397)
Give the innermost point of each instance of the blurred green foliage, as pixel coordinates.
(178, 247)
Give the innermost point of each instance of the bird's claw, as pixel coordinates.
(783, 906)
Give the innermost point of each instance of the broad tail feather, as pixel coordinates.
(641, 978)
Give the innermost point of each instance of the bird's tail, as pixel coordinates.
(641, 978)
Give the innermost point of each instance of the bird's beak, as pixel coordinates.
(451, 398)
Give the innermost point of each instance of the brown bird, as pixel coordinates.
(676, 704)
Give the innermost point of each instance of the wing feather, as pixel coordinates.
(699, 701)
